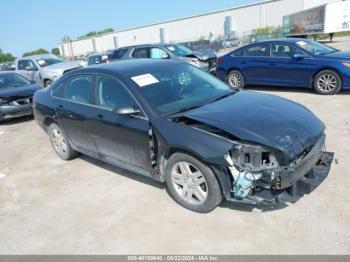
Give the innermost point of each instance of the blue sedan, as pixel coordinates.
(287, 62)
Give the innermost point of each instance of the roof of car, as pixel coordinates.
(129, 67)
(289, 40)
(38, 56)
(143, 45)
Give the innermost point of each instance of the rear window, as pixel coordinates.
(117, 54)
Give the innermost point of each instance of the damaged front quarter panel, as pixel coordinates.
(249, 171)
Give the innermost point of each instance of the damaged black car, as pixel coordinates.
(177, 124)
(16, 94)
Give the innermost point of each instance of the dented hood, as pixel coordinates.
(265, 119)
(17, 92)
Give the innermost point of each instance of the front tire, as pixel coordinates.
(327, 82)
(60, 143)
(235, 79)
(191, 183)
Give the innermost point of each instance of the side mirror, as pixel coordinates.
(127, 111)
(164, 56)
(298, 56)
(31, 68)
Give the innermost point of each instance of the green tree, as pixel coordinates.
(107, 30)
(66, 39)
(6, 57)
(36, 52)
(95, 33)
(55, 51)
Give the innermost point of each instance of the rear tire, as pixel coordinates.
(191, 183)
(60, 143)
(327, 82)
(47, 83)
(235, 79)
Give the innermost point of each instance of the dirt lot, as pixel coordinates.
(49, 206)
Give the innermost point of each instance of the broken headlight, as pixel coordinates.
(254, 158)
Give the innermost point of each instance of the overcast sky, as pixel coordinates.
(26, 25)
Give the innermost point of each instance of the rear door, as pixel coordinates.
(75, 110)
(255, 63)
(120, 137)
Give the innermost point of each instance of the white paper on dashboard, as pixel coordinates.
(145, 80)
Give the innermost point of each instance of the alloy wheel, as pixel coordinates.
(327, 82)
(235, 80)
(59, 141)
(189, 183)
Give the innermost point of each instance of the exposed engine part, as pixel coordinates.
(243, 182)
(254, 158)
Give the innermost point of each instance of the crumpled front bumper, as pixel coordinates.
(305, 185)
(13, 111)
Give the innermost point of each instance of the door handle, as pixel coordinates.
(60, 106)
(100, 116)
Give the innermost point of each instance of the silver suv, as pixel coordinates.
(43, 69)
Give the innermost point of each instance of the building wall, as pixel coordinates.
(244, 19)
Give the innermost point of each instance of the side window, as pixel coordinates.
(283, 50)
(22, 64)
(140, 53)
(119, 53)
(111, 93)
(257, 50)
(158, 53)
(238, 53)
(78, 89)
(58, 90)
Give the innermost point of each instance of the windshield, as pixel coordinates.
(315, 47)
(12, 80)
(179, 50)
(174, 88)
(48, 61)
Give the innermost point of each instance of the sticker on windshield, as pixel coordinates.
(171, 48)
(145, 80)
(301, 43)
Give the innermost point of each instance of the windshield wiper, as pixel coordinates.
(222, 96)
(185, 109)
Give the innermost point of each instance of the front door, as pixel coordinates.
(289, 71)
(120, 137)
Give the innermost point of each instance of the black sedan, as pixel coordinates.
(177, 124)
(16, 95)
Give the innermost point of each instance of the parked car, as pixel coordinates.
(43, 69)
(16, 94)
(173, 122)
(203, 59)
(95, 59)
(287, 62)
(8, 66)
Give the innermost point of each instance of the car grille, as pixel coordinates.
(21, 101)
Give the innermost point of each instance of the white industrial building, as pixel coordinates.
(212, 25)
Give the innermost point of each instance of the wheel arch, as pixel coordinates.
(323, 69)
(220, 173)
(48, 121)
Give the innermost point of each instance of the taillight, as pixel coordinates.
(219, 60)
